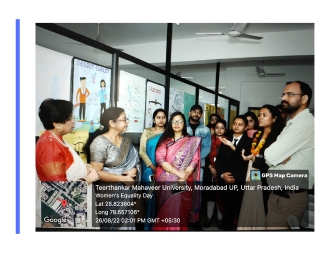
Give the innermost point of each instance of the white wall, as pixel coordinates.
(53, 73)
(254, 91)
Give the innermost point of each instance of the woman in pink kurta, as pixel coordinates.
(178, 159)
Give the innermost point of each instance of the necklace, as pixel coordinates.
(260, 145)
(58, 139)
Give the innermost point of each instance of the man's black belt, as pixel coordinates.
(286, 193)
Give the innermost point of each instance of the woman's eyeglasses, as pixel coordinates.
(124, 119)
(177, 122)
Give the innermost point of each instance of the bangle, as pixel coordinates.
(84, 180)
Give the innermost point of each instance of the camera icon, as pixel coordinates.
(255, 175)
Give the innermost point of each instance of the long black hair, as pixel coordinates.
(155, 113)
(169, 132)
(277, 126)
(112, 113)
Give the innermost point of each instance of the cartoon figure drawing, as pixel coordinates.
(93, 78)
(102, 95)
(81, 95)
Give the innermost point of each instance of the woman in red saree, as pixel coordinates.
(178, 159)
(55, 159)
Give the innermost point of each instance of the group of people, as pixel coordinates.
(178, 158)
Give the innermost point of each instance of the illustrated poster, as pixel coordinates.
(91, 93)
(176, 101)
(154, 100)
(132, 100)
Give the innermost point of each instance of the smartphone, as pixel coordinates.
(151, 178)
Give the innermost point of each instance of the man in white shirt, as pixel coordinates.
(292, 152)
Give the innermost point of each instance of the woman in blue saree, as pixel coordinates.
(148, 142)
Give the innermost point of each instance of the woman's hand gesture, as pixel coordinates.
(225, 141)
(247, 158)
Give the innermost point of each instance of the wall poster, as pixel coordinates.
(132, 100)
(154, 100)
(188, 101)
(90, 93)
(176, 101)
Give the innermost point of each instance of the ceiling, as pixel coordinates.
(133, 38)
(119, 34)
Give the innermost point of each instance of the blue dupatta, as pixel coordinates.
(150, 151)
(146, 172)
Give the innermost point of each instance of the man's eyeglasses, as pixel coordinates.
(290, 94)
(176, 122)
(124, 119)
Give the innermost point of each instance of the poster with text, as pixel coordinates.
(154, 100)
(91, 93)
(132, 100)
(176, 101)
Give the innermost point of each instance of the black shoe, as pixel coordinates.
(208, 223)
(191, 225)
(198, 227)
(220, 224)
